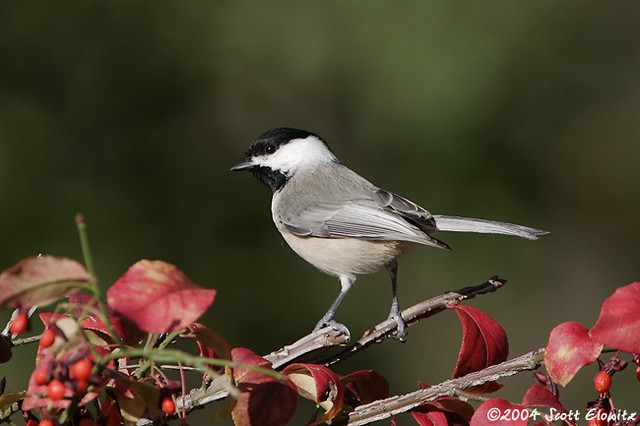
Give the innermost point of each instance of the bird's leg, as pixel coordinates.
(327, 320)
(395, 307)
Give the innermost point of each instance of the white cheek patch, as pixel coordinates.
(297, 155)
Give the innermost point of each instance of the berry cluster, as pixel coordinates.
(602, 409)
(70, 369)
(68, 377)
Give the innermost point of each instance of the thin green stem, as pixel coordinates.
(93, 280)
(169, 339)
(172, 355)
(84, 244)
(178, 356)
(151, 341)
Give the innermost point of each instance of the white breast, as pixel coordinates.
(344, 256)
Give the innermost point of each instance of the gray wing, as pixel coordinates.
(382, 216)
(407, 209)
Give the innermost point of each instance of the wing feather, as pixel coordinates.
(407, 209)
(363, 218)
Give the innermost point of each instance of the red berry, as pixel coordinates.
(602, 382)
(32, 422)
(81, 386)
(40, 376)
(19, 323)
(168, 406)
(638, 373)
(47, 338)
(55, 390)
(45, 422)
(81, 369)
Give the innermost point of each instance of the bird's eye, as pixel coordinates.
(270, 149)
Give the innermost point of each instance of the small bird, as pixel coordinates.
(340, 222)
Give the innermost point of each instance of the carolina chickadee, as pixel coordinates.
(341, 223)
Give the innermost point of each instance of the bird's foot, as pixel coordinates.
(341, 328)
(400, 326)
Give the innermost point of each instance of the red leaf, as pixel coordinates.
(247, 358)
(110, 413)
(158, 297)
(40, 281)
(498, 411)
(210, 343)
(319, 384)
(539, 396)
(618, 324)
(484, 343)
(569, 349)
(82, 302)
(366, 386)
(446, 411)
(264, 400)
(429, 416)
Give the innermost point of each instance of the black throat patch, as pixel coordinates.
(272, 178)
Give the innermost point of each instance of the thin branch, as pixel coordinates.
(25, 340)
(328, 337)
(383, 409)
(413, 315)
(318, 340)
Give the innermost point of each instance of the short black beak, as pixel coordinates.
(243, 165)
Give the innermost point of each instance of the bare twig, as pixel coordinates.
(383, 409)
(328, 337)
(316, 341)
(25, 340)
(414, 314)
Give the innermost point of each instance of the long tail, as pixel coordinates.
(467, 224)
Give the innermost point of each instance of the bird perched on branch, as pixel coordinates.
(340, 222)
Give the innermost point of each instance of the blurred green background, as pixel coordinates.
(133, 112)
